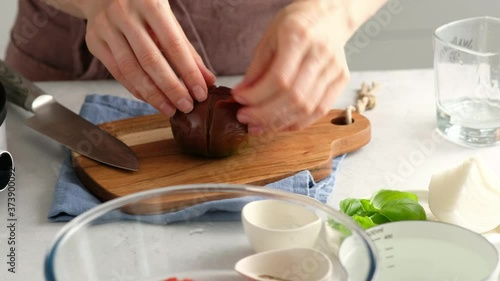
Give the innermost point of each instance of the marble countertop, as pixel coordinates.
(405, 150)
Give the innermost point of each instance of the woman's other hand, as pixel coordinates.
(299, 67)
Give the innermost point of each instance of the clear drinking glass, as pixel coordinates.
(467, 74)
(161, 234)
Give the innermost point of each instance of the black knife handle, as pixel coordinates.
(20, 90)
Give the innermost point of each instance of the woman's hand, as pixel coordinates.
(143, 46)
(299, 67)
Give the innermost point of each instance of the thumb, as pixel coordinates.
(261, 60)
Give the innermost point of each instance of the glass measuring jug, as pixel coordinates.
(431, 251)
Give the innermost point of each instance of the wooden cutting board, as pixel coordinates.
(267, 159)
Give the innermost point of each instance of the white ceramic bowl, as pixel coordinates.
(276, 224)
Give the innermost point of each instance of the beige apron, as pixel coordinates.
(47, 44)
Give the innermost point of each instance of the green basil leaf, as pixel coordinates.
(364, 222)
(379, 218)
(403, 209)
(351, 206)
(360, 207)
(339, 227)
(368, 207)
(384, 196)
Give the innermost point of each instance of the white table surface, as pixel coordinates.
(404, 152)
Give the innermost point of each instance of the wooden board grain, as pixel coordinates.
(267, 159)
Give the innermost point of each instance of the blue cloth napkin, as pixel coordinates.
(71, 198)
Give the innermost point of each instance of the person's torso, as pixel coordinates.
(47, 44)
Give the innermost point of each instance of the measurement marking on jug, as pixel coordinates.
(389, 257)
(375, 231)
(389, 248)
(391, 266)
(376, 239)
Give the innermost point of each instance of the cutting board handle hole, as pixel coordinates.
(340, 121)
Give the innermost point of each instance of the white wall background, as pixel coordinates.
(405, 41)
(8, 11)
(401, 40)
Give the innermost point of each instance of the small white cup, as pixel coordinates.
(274, 224)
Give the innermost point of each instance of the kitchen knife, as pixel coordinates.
(61, 124)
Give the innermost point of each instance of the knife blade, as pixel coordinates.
(66, 127)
